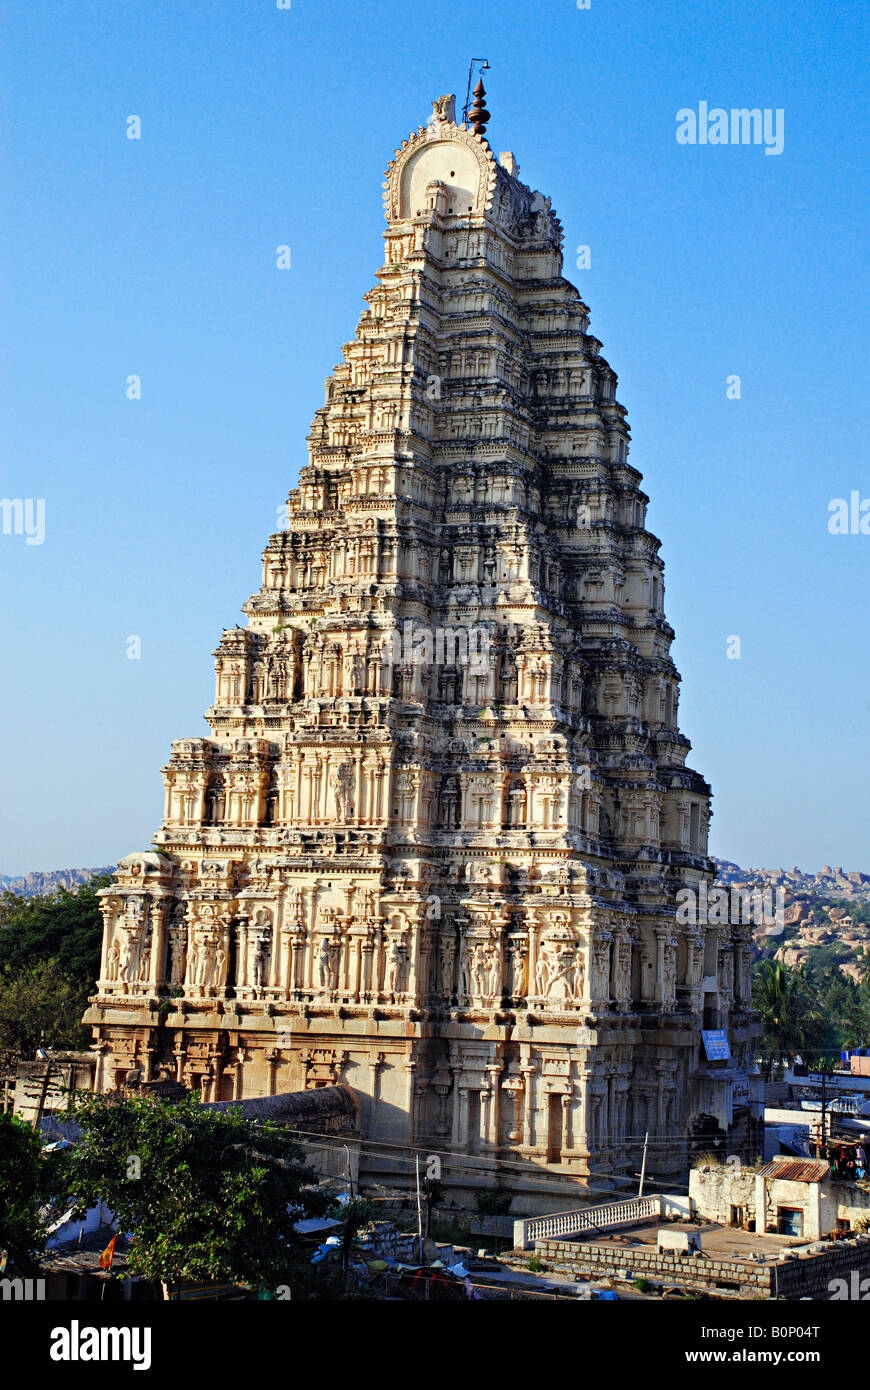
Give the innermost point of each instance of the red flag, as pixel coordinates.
(105, 1261)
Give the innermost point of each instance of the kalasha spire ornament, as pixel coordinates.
(478, 116)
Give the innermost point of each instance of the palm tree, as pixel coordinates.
(792, 1021)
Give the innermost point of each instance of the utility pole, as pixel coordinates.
(824, 1106)
(643, 1165)
(42, 1095)
(419, 1209)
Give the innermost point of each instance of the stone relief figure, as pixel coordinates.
(221, 961)
(144, 964)
(518, 970)
(559, 984)
(670, 974)
(602, 971)
(447, 968)
(397, 964)
(328, 953)
(357, 673)
(341, 784)
(259, 962)
(347, 674)
(134, 914)
(623, 958)
(559, 970)
(205, 958)
(478, 963)
(130, 961)
(464, 975)
(494, 971)
(578, 978)
(542, 970)
(113, 960)
(260, 947)
(177, 953)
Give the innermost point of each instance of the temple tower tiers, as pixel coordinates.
(433, 845)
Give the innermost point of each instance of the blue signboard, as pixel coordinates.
(716, 1045)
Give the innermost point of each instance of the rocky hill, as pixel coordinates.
(826, 917)
(828, 883)
(35, 884)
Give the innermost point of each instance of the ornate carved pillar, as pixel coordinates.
(528, 1072)
(567, 1101)
(459, 1094)
(271, 1055)
(491, 1123)
(661, 936)
(533, 927)
(376, 1065)
(160, 908)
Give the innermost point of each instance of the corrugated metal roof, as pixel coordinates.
(795, 1170)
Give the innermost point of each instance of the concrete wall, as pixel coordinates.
(806, 1276)
(715, 1190)
(811, 1275)
(681, 1207)
(852, 1202)
(636, 1262)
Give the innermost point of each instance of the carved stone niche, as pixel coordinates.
(323, 1067)
(556, 1075)
(514, 1085)
(560, 970)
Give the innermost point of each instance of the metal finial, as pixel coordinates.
(478, 114)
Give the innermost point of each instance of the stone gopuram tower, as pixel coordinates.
(433, 846)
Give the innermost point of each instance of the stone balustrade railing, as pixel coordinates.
(604, 1218)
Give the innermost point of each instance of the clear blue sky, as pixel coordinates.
(263, 126)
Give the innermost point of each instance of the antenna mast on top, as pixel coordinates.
(484, 68)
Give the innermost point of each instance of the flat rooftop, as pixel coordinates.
(726, 1242)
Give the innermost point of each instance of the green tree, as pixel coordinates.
(210, 1195)
(841, 1005)
(31, 1191)
(49, 960)
(40, 1005)
(64, 927)
(791, 1020)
